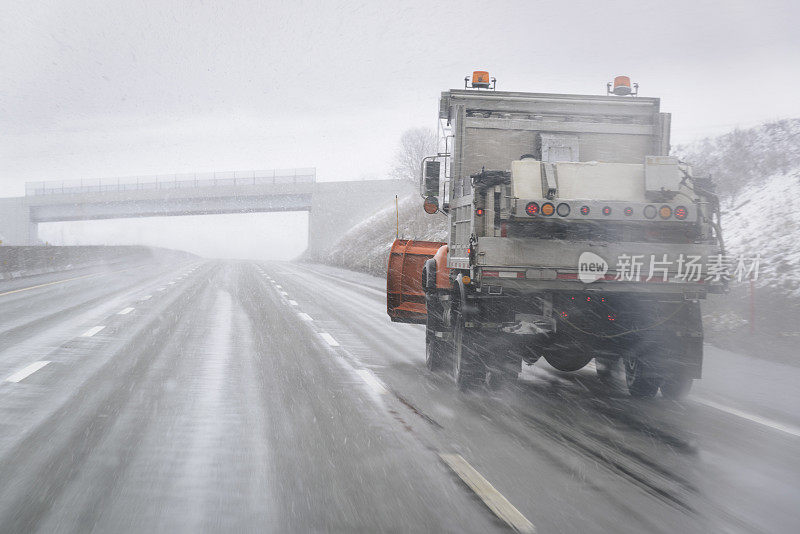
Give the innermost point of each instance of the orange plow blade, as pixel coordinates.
(405, 299)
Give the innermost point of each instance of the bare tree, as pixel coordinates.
(415, 144)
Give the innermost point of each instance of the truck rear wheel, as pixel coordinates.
(638, 384)
(468, 369)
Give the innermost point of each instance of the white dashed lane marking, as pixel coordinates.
(372, 381)
(329, 339)
(498, 504)
(293, 302)
(146, 297)
(305, 316)
(22, 374)
(125, 311)
(92, 331)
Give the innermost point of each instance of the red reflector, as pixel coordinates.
(680, 212)
(479, 212)
(503, 230)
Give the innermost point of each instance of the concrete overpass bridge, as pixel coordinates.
(333, 206)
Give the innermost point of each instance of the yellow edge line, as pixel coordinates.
(62, 281)
(492, 498)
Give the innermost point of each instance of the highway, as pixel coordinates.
(235, 396)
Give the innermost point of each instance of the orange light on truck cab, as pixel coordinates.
(480, 78)
(622, 85)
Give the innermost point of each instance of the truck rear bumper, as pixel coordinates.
(527, 265)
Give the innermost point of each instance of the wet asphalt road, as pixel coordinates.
(245, 396)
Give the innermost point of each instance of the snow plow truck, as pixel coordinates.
(573, 236)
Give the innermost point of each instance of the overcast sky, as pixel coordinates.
(112, 88)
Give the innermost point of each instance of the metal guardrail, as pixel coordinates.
(172, 181)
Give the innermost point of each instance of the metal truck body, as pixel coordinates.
(571, 232)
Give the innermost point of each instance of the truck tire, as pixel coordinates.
(435, 347)
(468, 370)
(638, 384)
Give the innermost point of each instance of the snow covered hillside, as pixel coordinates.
(365, 247)
(763, 218)
(757, 172)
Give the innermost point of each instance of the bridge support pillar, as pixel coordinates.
(16, 227)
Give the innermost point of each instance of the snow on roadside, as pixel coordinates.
(763, 218)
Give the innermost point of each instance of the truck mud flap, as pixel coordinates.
(405, 297)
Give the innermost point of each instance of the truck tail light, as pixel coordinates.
(532, 209)
(563, 209)
(665, 212)
(585, 210)
(650, 211)
(607, 210)
(628, 211)
(548, 209)
(681, 212)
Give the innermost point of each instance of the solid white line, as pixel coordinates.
(24, 373)
(372, 381)
(771, 423)
(293, 302)
(488, 494)
(146, 297)
(329, 339)
(92, 331)
(305, 316)
(126, 311)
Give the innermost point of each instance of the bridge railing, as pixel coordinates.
(172, 181)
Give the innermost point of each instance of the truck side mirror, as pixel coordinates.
(431, 178)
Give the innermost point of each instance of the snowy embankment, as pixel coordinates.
(365, 247)
(762, 219)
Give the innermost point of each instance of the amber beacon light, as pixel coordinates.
(480, 80)
(621, 86)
